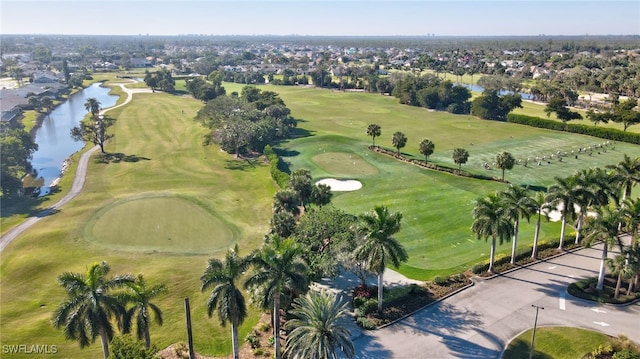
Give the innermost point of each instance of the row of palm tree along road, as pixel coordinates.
(607, 192)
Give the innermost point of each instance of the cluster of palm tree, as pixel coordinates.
(95, 301)
(606, 192)
(277, 278)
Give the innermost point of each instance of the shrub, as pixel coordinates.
(258, 352)
(370, 306)
(441, 281)
(458, 277)
(366, 323)
(626, 354)
(358, 302)
(265, 327)
(480, 268)
(365, 291)
(253, 339)
(275, 163)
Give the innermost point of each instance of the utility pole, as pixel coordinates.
(187, 309)
(535, 323)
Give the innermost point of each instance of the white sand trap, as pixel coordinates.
(556, 215)
(337, 185)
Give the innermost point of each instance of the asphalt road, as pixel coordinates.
(479, 321)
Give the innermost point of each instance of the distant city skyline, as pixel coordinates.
(321, 18)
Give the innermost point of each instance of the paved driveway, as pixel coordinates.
(480, 321)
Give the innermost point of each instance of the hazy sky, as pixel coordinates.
(316, 17)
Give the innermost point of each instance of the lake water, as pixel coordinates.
(476, 88)
(54, 136)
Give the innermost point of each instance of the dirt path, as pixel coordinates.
(76, 187)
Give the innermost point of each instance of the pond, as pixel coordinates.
(54, 140)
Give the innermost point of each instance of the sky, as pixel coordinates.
(321, 18)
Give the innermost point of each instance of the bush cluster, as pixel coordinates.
(600, 132)
(281, 177)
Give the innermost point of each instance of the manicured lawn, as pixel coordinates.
(556, 343)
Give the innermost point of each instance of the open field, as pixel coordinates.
(171, 180)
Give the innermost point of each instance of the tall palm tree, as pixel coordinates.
(374, 131)
(518, 205)
(633, 256)
(603, 227)
(379, 247)
(618, 266)
(140, 295)
(631, 216)
(317, 331)
(88, 311)
(278, 267)
(541, 207)
(490, 219)
(592, 187)
(626, 174)
(225, 295)
(560, 194)
(505, 161)
(93, 106)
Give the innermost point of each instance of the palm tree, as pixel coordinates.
(560, 194)
(518, 205)
(618, 267)
(631, 216)
(316, 330)
(592, 187)
(460, 157)
(541, 207)
(633, 256)
(490, 219)
(505, 161)
(278, 267)
(374, 131)
(140, 295)
(89, 308)
(379, 246)
(603, 227)
(225, 295)
(93, 106)
(626, 174)
(426, 148)
(399, 140)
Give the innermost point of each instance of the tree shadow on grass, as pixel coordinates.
(520, 349)
(118, 157)
(240, 164)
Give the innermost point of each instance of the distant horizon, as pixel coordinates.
(315, 18)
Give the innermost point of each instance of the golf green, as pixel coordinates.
(344, 164)
(159, 223)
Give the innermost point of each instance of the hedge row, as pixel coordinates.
(281, 177)
(600, 132)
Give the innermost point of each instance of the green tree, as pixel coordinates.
(559, 106)
(624, 112)
(34, 102)
(399, 140)
(378, 246)
(561, 196)
(541, 208)
(225, 296)
(89, 308)
(603, 227)
(140, 295)
(94, 130)
(505, 161)
(93, 106)
(490, 219)
(317, 329)
(518, 205)
(374, 131)
(426, 148)
(300, 183)
(17, 150)
(490, 106)
(460, 157)
(631, 216)
(278, 268)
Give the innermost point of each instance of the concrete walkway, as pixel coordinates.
(76, 187)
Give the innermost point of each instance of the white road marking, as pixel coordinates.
(599, 310)
(601, 323)
(562, 301)
(553, 267)
(571, 276)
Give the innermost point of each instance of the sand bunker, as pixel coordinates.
(337, 185)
